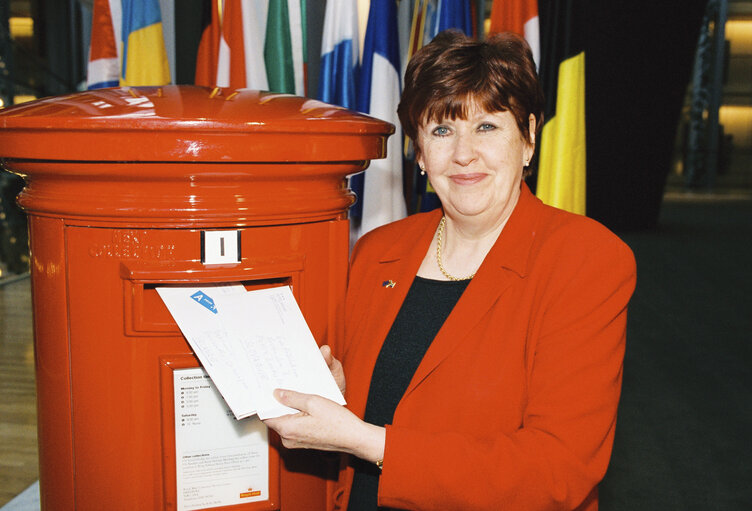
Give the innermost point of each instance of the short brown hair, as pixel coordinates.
(453, 72)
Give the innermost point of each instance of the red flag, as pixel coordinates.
(221, 53)
(208, 48)
(519, 16)
(231, 68)
(104, 56)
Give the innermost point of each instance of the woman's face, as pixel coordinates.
(475, 164)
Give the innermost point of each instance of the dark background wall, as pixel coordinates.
(638, 58)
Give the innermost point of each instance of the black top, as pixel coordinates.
(426, 307)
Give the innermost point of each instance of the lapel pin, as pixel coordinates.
(388, 283)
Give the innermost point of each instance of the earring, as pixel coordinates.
(422, 169)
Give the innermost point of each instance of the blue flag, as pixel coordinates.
(379, 189)
(339, 54)
(454, 14)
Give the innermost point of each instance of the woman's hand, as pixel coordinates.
(335, 366)
(323, 424)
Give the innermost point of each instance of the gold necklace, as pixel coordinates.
(439, 239)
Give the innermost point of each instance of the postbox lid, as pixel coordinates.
(188, 123)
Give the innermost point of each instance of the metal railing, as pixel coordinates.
(704, 131)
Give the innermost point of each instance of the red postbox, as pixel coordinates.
(122, 187)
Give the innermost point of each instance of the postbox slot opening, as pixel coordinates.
(249, 285)
(146, 314)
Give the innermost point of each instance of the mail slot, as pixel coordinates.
(129, 189)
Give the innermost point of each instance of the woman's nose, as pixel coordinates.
(464, 150)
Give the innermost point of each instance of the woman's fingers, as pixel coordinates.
(335, 367)
(326, 352)
(287, 426)
(316, 426)
(292, 399)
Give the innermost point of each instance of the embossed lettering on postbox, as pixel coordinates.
(133, 244)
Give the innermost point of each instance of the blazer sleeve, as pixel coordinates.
(575, 344)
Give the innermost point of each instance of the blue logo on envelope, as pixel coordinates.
(204, 300)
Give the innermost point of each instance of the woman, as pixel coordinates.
(484, 340)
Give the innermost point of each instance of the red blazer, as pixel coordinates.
(514, 404)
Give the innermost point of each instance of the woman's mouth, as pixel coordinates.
(467, 179)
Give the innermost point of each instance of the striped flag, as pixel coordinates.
(259, 44)
(520, 17)
(143, 54)
(339, 54)
(284, 46)
(241, 47)
(379, 189)
(562, 164)
(411, 18)
(104, 49)
(417, 28)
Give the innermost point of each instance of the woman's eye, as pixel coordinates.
(486, 126)
(441, 131)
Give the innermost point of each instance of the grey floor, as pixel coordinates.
(685, 417)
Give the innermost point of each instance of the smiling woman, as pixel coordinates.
(473, 111)
(484, 340)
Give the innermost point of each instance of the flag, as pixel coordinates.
(208, 46)
(418, 31)
(562, 162)
(104, 55)
(284, 46)
(422, 196)
(143, 54)
(405, 10)
(241, 47)
(339, 54)
(454, 14)
(520, 17)
(260, 44)
(379, 189)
